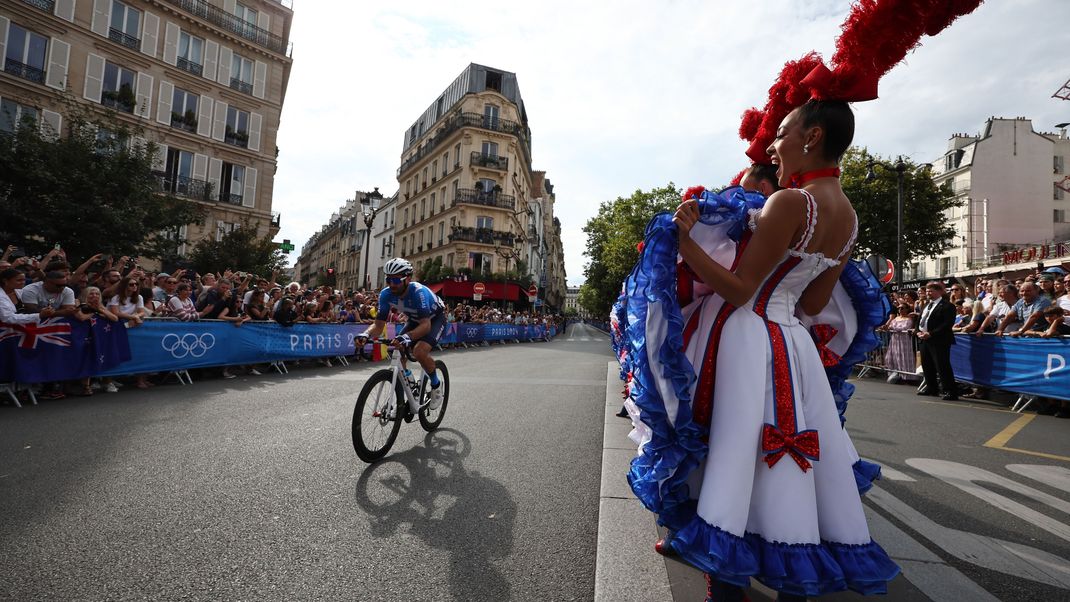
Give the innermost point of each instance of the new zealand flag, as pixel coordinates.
(60, 349)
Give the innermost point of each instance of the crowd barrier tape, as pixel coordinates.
(170, 345)
(1025, 366)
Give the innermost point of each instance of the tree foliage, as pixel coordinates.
(91, 189)
(242, 249)
(612, 236)
(926, 229)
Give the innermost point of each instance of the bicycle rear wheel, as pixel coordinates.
(374, 428)
(430, 419)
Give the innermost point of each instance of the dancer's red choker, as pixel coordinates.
(799, 180)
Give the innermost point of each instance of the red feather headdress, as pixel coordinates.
(877, 35)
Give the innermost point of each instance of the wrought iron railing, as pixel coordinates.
(233, 24)
(476, 196)
(123, 38)
(237, 139)
(188, 65)
(47, 5)
(184, 186)
(24, 71)
(231, 198)
(116, 101)
(182, 123)
(241, 86)
(484, 236)
(459, 120)
(491, 161)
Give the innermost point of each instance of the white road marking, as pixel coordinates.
(986, 552)
(967, 477)
(1053, 476)
(887, 472)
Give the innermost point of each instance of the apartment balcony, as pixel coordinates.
(123, 38)
(490, 161)
(230, 198)
(485, 236)
(189, 66)
(233, 24)
(240, 139)
(24, 71)
(240, 86)
(460, 120)
(475, 196)
(184, 122)
(118, 101)
(185, 187)
(45, 5)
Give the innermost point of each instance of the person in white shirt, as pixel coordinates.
(128, 304)
(12, 281)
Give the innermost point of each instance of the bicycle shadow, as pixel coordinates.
(448, 507)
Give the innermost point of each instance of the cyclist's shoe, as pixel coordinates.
(436, 398)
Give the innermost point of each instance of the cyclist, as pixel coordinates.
(427, 319)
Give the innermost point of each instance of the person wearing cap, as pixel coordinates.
(1046, 282)
(50, 297)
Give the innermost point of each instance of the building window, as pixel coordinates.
(405, 222)
(1058, 163)
(184, 110)
(490, 116)
(179, 171)
(445, 162)
(479, 263)
(434, 170)
(233, 184)
(441, 232)
(118, 90)
(457, 156)
(1060, 216)
(224, 228)
(245, 13)
(442, 199)
(490, 150)
(125, 25)
(241, 74)
(190, 53)
(1058, 193)
(423, 209)
(14, 115)
(484, 222)
(424, 180)
(432, 203)
(237, 132)
(25, 55)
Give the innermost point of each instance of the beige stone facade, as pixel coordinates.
(205, 80)
(336, 254)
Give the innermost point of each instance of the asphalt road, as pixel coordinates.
(249, 489)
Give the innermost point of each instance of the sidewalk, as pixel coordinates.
(629, 570)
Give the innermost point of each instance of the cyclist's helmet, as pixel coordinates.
(397, 267)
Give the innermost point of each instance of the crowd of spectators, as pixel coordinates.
(120, 288)
(1035, 305)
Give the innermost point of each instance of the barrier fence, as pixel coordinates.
(62, 349)
(1024, 366)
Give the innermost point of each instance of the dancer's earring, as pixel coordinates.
(806, 149)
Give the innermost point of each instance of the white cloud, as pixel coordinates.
(627, 95)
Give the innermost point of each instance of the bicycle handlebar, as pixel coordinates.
(390, 342)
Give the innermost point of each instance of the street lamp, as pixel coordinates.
(900, 168)
(369, 206)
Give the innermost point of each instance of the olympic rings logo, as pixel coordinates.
(187, 344)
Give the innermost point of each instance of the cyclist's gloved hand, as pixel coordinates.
(361, 339)
(403, 341)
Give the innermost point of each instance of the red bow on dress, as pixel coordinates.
(775, 443)
(837, 85)
(823, 334)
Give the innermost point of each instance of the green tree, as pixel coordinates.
(926, 229)
(90, 189)
(612, 236)
(242, 249)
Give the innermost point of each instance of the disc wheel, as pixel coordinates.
(374, 429)
(430, 419)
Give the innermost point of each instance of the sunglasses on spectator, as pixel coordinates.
(395, 280)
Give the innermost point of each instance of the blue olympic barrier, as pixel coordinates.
(1031, 366)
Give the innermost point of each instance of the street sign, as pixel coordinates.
(477, 291)
(533, 290)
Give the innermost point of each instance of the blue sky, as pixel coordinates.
(628, 95)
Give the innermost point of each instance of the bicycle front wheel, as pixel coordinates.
(430, 419)
(375, 420)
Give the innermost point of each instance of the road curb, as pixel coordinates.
(626, 567)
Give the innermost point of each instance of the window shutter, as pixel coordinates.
(4, 21)
(259, 79)
(51, 124)
(215, 171)
(150, 33)
(144, 95)
(171, 33)
(204, 116)
(200, 166)
(159, 160)
(226, 57)
(219, 124)
(263, 21)
(59, 53)
(255, 121)
(229, 6)
(65, 10)
(248, 199)
(163, 106)
(94, 77)
(211, 57)
(101, 17)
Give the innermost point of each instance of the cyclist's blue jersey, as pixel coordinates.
(417, 302)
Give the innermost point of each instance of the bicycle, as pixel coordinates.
(390, 397)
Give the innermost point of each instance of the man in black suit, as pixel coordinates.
(936, 339)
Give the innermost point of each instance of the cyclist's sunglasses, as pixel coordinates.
(395, 279)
